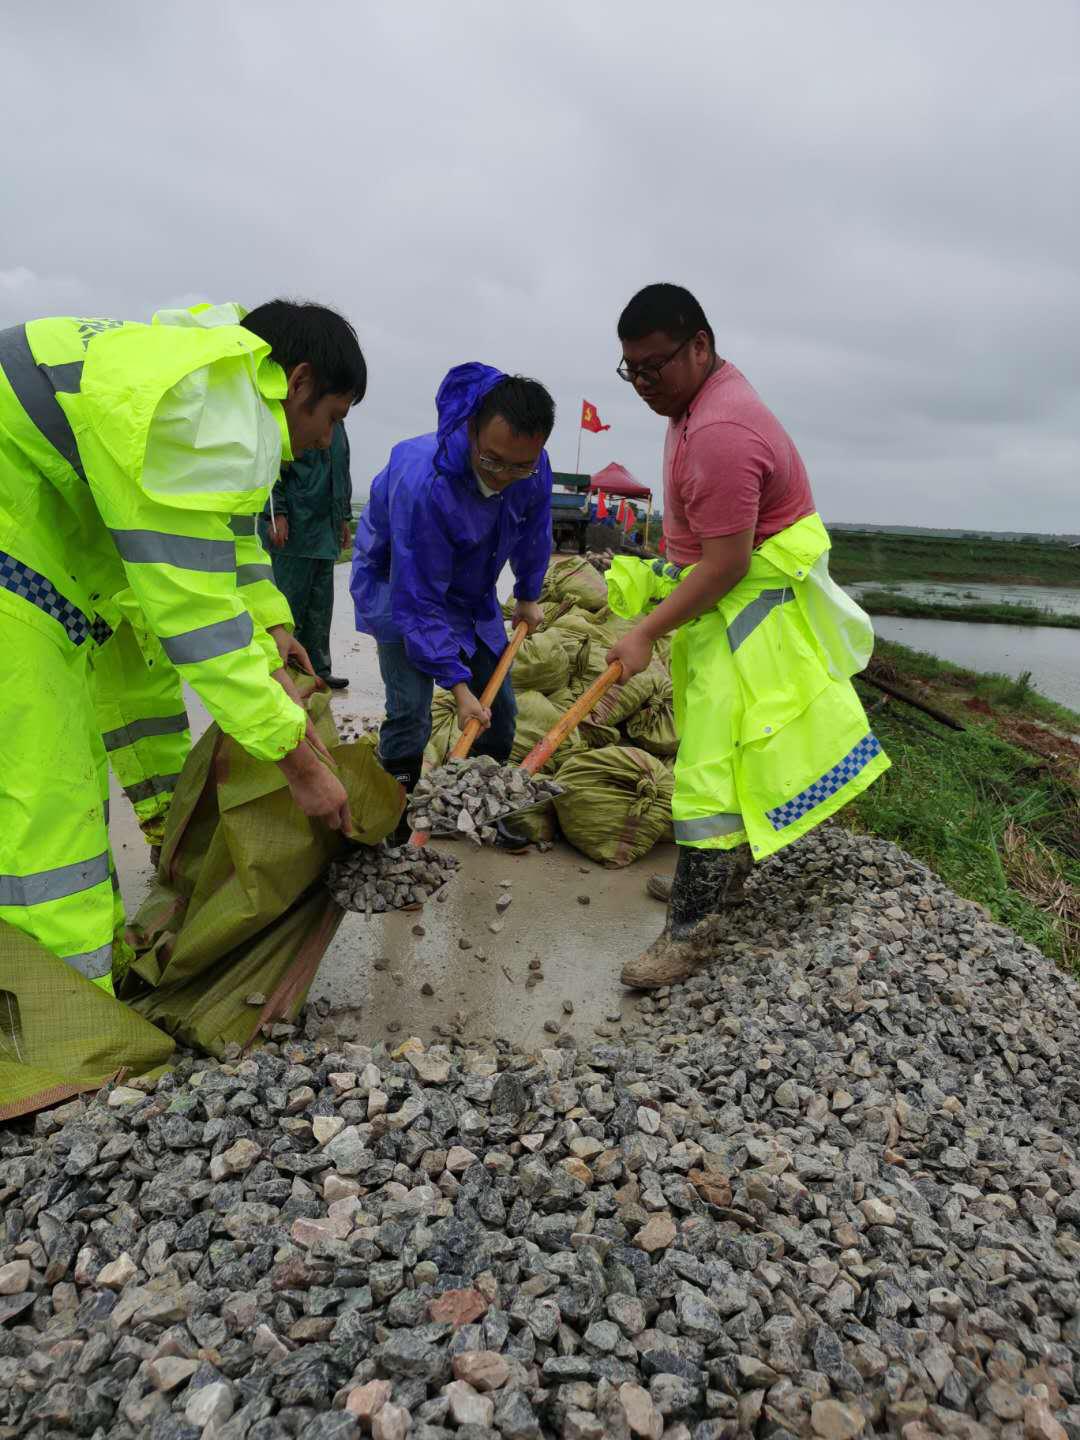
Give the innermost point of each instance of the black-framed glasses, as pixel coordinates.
(506, 467)
(630, 373)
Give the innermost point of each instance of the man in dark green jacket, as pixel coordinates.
(310, 510)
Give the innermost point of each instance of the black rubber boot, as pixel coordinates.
(406, 773)
(706, 883)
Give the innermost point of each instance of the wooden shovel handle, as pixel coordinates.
(542, 752)
(468, 736)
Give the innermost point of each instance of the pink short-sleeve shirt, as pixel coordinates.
(729, 465)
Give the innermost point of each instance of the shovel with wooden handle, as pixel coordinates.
(467, 738)
(542, 752)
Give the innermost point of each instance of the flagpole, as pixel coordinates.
(577, 463)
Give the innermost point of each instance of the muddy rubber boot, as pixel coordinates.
(706, 883)
(658, 887)
(406, 773)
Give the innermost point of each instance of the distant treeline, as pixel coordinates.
(923, 532)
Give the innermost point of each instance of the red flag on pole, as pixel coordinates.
(620, 517)
(601, 507)
(661, 545)
(590, 420)
(630, 518)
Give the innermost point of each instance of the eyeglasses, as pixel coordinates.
(630, 373)
(505, 467)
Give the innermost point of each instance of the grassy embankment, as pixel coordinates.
(861, 556)
(889, 602)
(892, 559)
(995, 810)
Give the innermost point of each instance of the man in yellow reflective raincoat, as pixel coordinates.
(134, 460)
(772, 737)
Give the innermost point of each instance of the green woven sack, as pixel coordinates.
(541, 664)
(616, 803)
(444, 729)
(572, 578)
(60, 1035)
(239, 903)
(653, 726)
(539, 823)
(536, 715)
(621, 701)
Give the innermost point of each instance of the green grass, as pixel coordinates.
(999, 691)
(997, 823)
(889, 602)
(864, 556)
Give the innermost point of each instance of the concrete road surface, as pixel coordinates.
(373, 973)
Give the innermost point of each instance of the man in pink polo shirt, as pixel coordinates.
(772, 737)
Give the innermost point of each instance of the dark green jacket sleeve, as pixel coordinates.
(342, 479)
(280, 493)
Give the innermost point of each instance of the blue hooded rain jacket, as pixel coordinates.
(430, 546)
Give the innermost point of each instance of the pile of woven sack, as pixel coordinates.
(615, 770)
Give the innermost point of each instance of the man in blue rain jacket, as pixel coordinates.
(448, 512)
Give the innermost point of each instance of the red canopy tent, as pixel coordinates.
(617, 480)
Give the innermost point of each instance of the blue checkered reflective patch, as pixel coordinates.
(34, 587)
(833, 780)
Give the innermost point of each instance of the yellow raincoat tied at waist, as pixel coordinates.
(772, 736)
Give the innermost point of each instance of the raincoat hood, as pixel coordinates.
(458, 399)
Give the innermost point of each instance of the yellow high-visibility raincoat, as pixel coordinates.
(133, 461)
(772, 736)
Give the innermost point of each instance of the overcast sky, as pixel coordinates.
(877, 205)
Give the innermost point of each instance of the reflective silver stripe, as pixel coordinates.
(707, 828)
(209, 641)
(91, 963)
(65, 378)
(142, 729)
(147, 789)
(242, 524)
(249, 574)
(45, 885)
(186, 552)
(749, 618)
(36, 393)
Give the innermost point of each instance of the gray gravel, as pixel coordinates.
(464, 798)
(829, 1189)
(372, 879)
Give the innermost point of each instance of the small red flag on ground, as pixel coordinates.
(601, 507)
(590, 420)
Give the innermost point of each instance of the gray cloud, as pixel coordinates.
(876, 205)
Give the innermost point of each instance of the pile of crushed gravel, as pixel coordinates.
(466, 797)
(375, 878)
(829, 1189)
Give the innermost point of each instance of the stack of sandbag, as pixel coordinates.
(616, 768)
